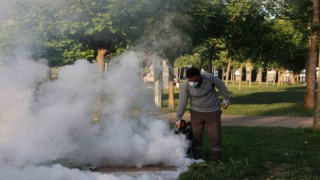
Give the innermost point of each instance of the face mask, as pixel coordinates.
(193, 84)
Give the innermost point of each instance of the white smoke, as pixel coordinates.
(46, 122)
(46, 126)
(55, 172)
(58, 172)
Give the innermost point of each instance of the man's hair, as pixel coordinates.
(191, 72)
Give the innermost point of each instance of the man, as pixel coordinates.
(205, 109)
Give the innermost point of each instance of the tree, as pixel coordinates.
(245, 31)
(7, 37)
(78, 26)
(303, 16)
(309, 101)
(312, 55)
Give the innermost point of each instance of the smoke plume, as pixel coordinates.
(46, 126)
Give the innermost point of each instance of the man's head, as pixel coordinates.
(193, 76)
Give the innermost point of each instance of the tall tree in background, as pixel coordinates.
(303, 17)
(245, 31)
(314, 51)
(309, 101)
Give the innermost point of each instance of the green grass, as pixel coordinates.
(262, 153)
(269, 100)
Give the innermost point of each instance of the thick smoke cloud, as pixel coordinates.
(46, 122)
(46, 126)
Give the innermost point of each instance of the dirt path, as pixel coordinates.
(269, 121)
(134, 171)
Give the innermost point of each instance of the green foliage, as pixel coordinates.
(298, 11)
(245, 30)
(7, 29)
(72, 29)
(213, 49)
(273, 32)
(67, 52)
(185, 60)
(286, 46)
(208, 20)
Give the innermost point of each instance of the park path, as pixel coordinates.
(267, 121)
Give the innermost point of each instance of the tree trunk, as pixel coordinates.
(100, 60)
(297, 78)
(53, 73)
(249, 75)
(158, 80)
(260, 77)
(228, 71)
(309, 98)
(274, 78)
(223, 73)
(171, 86)
(279, 77)
(316, 117)
(240, 78)
(267, 77)
(98, 100)
(179, 72)
(283, 77)
(232, 75)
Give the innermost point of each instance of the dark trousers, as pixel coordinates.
(212, 120)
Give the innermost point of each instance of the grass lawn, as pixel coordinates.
(262, 152)
(284, 100)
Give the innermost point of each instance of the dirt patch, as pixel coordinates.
(134, 170)
(276, 170)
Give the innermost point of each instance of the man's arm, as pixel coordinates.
(221, 87)
(183, 100)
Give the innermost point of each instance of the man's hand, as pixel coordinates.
(225, 104)
(178, 122)
(177, 126)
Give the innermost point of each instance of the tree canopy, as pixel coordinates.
(273, 32)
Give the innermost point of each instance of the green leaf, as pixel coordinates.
(73, 31)
(113, 30)
(89, 31)
(150, 20)
(99, 27)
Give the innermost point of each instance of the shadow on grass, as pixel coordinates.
(294, 111)
(274, 101)
(165, 96)
(165, 99)
(288, 95)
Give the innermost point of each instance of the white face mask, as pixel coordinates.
(193, 84)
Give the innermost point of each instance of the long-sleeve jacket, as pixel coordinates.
(203, 98)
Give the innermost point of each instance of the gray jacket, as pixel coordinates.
(203, 98)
